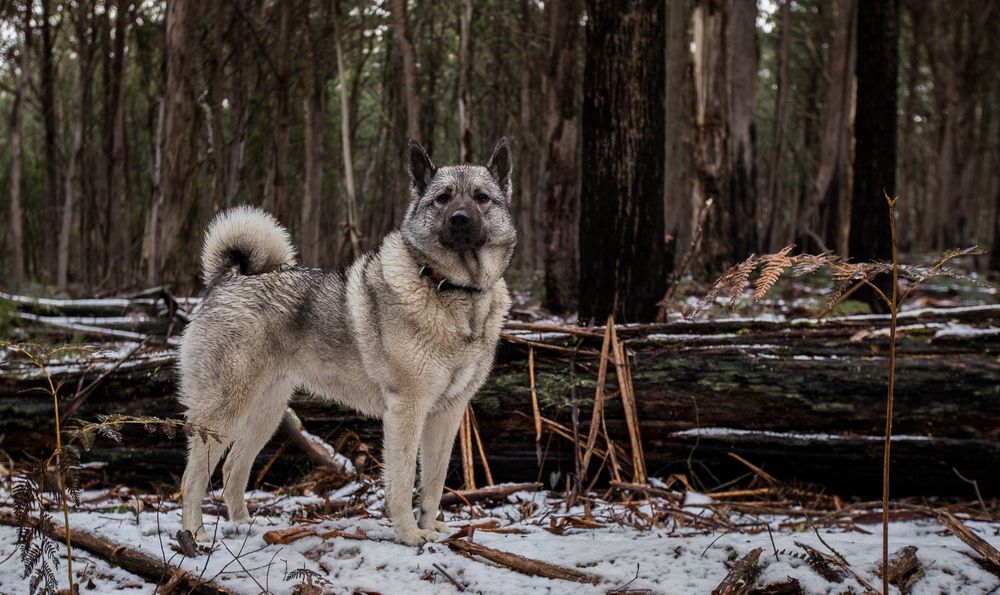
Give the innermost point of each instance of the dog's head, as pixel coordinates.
(460, 217)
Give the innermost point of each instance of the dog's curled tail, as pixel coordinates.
(246, 241)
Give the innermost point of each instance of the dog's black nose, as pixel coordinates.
(459, 219)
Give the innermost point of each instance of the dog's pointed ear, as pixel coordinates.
(419, 166)
(499, 165)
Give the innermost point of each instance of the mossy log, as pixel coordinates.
(805, 400)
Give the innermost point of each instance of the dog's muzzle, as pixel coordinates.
(463, 230)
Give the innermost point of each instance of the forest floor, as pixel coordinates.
(645, 545)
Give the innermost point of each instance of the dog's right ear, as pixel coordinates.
(419, 166)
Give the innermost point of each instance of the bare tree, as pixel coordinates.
(51, 125)
(345, 138)
(875, 132)
(526, 256)
(16, 150)
(740, 206)
(313, 115)
(768, 217)
(85, 31)
(677, 183)
(562, 172)
(621, 218)
(464, 68)
(179, 149)
(831, 184)
(409, 55)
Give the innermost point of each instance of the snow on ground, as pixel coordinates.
(624, 551)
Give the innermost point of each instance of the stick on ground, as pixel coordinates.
(743, 575)
(521, 564)
(132, 560)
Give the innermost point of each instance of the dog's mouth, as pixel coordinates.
(462, 242)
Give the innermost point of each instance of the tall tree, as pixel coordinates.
(677, 182)
(409, 55)
(740, 203)
(175, 227)
(768, 217)
(526, 255)
(51, 126)
(561, 170)
(16, 151)
(85, 31)
(874, 130)
(353, 234)
(464, 74)
(621, 218)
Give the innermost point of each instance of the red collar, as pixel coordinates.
(442, 283)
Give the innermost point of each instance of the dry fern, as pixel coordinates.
(772, 267)
(847, 276)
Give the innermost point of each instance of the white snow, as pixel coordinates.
(667, 558)
(732, 432)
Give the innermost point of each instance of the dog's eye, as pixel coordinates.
(442, 198)
(482, 198)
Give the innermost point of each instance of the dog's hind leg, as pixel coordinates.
(435, 452)
(262, 418)
(203, 456)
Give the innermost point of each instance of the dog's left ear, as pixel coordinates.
(499, 165)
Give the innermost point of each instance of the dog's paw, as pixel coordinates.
(415, 536)
(435, 525)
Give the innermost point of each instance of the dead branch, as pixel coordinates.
(132, 560)
(521, 564)
(311, 446)
(743, 575)
(959, 530)
(494, 492)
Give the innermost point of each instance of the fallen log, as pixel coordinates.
(803, 399)
(132, 560)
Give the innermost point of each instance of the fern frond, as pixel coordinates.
(773, 265)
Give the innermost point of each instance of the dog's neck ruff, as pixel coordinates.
(444, 284)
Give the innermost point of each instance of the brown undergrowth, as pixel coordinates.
(848, 278)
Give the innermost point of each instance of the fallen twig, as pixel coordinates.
(959, 530)
(521, 564)
(493, 492)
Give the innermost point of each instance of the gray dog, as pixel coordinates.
(407, 334)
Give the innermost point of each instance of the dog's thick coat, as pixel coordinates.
(407, 334)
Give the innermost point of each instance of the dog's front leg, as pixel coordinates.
(435, 452)
(403, 425)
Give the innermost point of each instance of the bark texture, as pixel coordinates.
(562, 164)
(622, 253)
(874, 133)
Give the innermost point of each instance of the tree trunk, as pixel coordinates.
(741, 82)
(771, 202)
(117, 206)
(278, 203)
(176, 222)
(832, 175)
(621, 218)
(526, 255)
(16, 150)
(82, 21)
(464, 67)
(345, 139)
(215, 95)
(409, 55)
(679, 218)
(874, 132)
(562, 174)
(313, 116)
(50, 122)
(712, 165)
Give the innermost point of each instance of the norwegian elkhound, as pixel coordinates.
(407, 333)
